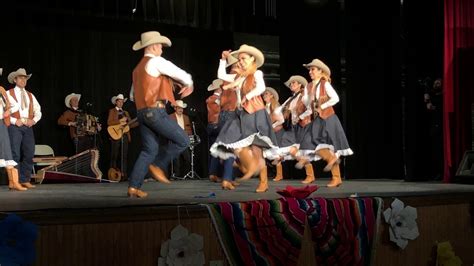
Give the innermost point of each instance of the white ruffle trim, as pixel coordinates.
(4, 163)
(219, 153)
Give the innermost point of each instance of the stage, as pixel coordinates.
(192, 192)
(97, 224)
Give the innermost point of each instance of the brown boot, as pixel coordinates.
(336, 177)
(279, 173)
(309, 174)
(249, 162)
(329, 157)
(226, 185)
(263, 185)
(27, 185)
(302, 162)
(135, 192)
(13, 180)
(214, 179)
(158, 174)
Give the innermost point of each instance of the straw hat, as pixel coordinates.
(231, 60)
(244, 48)
(67, 100)
(216, 84)
(149, 38)
(273, 92)
(19, 72)
(118, 97)
(297, 78)
(319, 64)
(180, 103)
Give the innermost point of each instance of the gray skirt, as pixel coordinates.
(242, 131)
(324, 134)
(6, 157)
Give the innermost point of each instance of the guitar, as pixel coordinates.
(116, 131)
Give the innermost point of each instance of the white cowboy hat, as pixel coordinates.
(244, 48)
(273, 92)
(216, 84)
(180, 103)
(149, 38)
(319, 64)
(117, 97)
(300, 79)
(1, 71)
(19, 72)
(67, 100)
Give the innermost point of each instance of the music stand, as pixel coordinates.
(195, 140)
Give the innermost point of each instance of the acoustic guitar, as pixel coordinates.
(116, 131)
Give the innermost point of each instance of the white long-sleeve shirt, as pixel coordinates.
(157, 66)
(259, 81)
(24, 113)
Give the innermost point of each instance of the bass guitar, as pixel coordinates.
(116, 131)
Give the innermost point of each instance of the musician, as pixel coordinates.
(152, 85)
(22, 137)
(183, 161)
(118, 116)
(68, 118)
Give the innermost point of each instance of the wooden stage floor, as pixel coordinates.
(194, 192)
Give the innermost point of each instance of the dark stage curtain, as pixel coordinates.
(458, 82)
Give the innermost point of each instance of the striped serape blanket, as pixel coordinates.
(270, 232)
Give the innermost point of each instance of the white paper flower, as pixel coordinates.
(182, 249)
(402, 222)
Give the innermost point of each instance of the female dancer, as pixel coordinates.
(326, 131)
(251, 131)
(6, 159)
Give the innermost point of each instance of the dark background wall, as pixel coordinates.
(376, 59)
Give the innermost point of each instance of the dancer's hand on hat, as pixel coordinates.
(186, 91)
(225, 54)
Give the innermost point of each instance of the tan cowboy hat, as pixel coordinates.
(67, 100)
(244, 48)
(273, 92)
(319, 64)
(180, 103)
(231, 60)
(118, 97)
(19, 72)
(149, 38)
(300, 79)
(216, 84)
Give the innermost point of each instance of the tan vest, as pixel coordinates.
(148, 90)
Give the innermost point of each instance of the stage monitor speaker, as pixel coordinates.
(465, 172)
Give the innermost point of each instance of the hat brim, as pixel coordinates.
(259, 58)
(67, 100)
(158, 39)
(13, 75)
(300, 80)
(114, 99)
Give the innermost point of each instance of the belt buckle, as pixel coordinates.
(160, 104)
